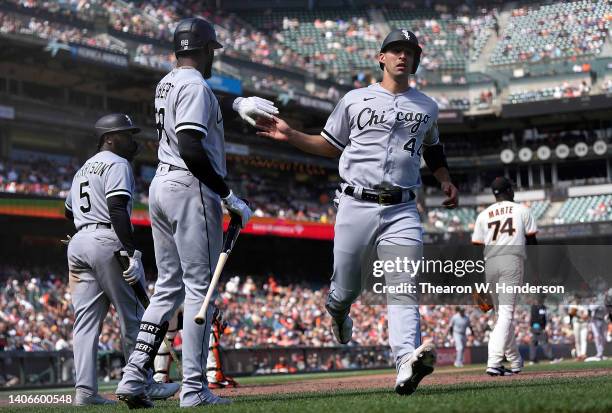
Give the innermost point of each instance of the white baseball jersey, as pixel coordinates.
(183, 100)
(381, 135)
(502, 228)
(104, 175)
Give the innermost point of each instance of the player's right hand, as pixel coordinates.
(452, 195)
(135, 271)
(238, 207)
(274, 128)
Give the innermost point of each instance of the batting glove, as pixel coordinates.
(238, 207)
(135, 272)
(252, 107)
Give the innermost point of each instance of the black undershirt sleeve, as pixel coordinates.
(435, 157)
(226, 103)
(68, 214)
(120, 219)
(198, 163)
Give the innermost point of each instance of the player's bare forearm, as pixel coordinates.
(451, 192)
(315, 144)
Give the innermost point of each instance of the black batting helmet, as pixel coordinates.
(194, 34)
(115, 122)
(403, 36)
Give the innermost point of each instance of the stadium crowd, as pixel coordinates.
(342, 47)
(34, 26)
(559, 30)
(36, 315)
(282, 196)
(560, 91)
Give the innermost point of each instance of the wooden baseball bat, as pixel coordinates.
(228, 244)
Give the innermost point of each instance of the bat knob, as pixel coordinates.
(198, 320)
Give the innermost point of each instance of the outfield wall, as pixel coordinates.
(44, 369)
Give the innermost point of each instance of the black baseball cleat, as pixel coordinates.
(136, 401)
(499, 371)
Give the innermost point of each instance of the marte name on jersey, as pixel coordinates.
(500, 211)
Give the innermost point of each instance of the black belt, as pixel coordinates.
(99, 225)
(174, 168)
(391, 196)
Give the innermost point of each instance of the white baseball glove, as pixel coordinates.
(252, 107)
(134, 272)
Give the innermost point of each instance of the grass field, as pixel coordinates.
(563, 387)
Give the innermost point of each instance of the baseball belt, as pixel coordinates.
(390, 196)
(173, 168)
(99, 225)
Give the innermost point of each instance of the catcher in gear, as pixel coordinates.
(214, 367)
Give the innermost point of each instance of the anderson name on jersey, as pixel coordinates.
(103, 175)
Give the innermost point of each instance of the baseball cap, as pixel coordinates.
(501, 185)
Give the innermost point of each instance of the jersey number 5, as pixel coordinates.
(159, 124)
(409, 146)
(85, 195)
(506, 227)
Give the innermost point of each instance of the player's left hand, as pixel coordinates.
(252, 107)
(452, 195)
(135, 272)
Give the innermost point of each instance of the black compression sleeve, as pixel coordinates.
(435, 157)
(531, 240)
(196, 159)
(120, 219)
(226, 103)
(68, 214)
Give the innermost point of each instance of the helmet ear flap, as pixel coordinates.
(417, 60)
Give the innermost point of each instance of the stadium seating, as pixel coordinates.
(561, 30)
(460, 219)
(463, 218)
(594, 208)
(339, 41)
(538, 208)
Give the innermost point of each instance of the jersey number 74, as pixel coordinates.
(506, 227)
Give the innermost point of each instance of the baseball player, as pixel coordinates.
(504, 228)
(539, 336)
(579, 318)
(100, 203)
(459, 324)
(185, 199)
(599, 328)
(380, 133)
